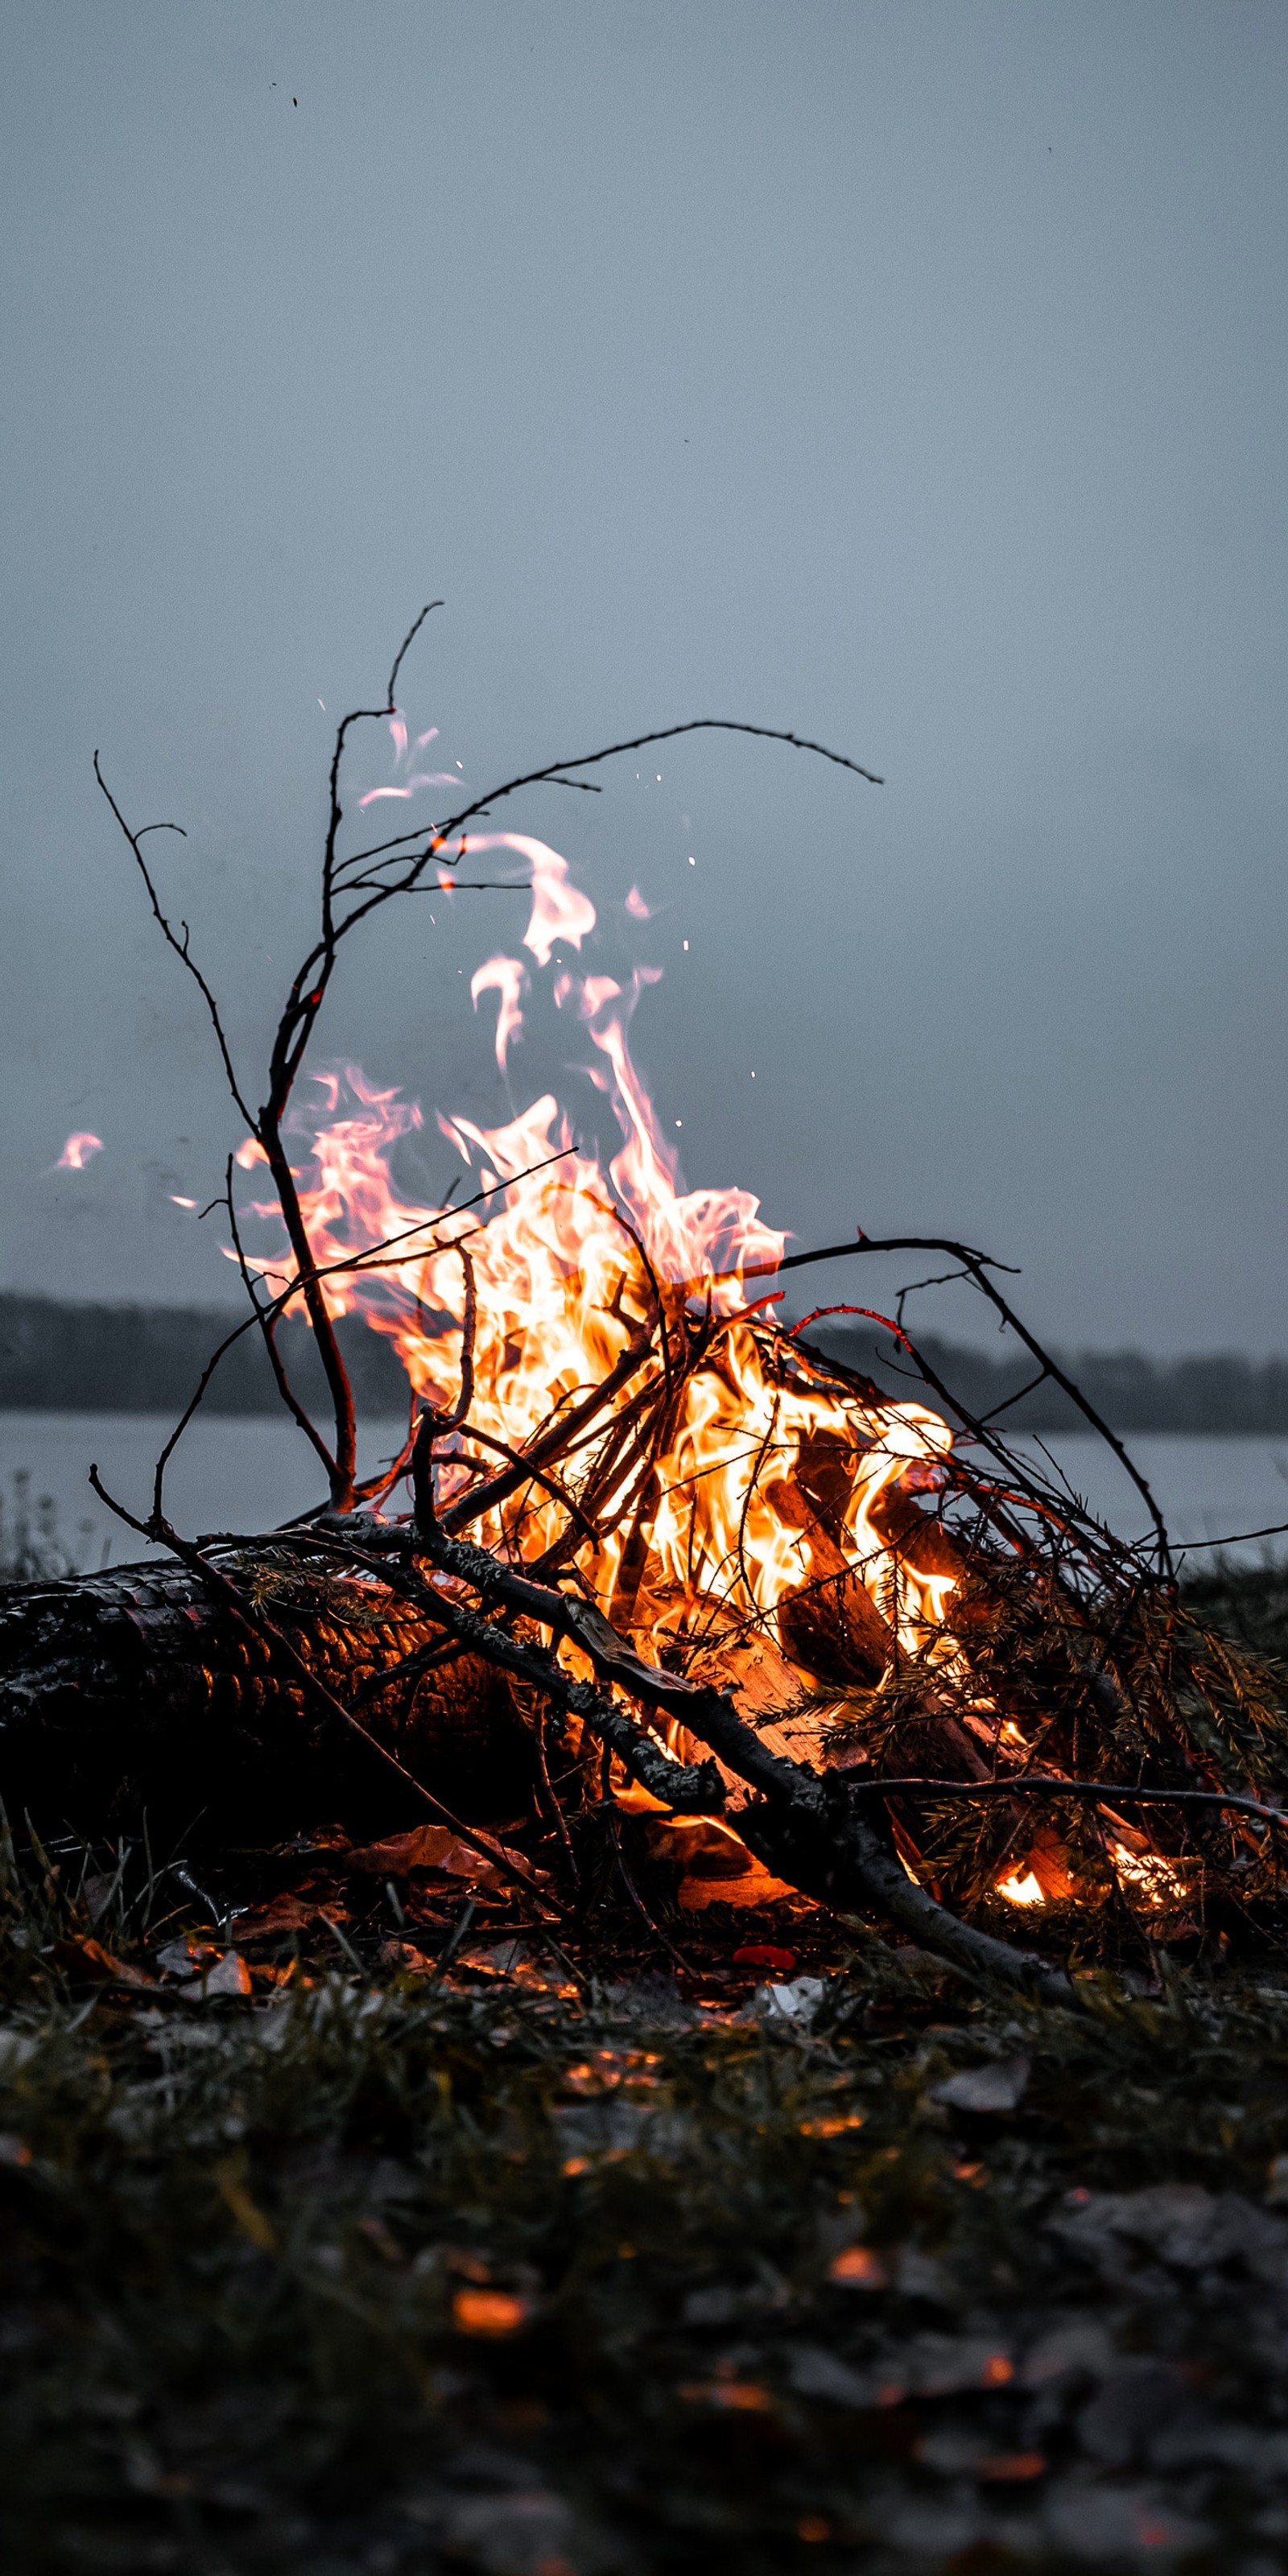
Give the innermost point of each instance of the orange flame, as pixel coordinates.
(582, 1273)
(573, 1266)
(1022, 1889)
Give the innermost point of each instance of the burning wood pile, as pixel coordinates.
(719, 1605)
(687, 1532)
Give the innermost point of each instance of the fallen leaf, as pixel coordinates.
(716, 2305)
(525, 2532)
(13, 2151)
(466, 2266)
(382, 2237)
(941, 2365)
(518, 1963)
(288, 1913)
(816, 2373)
(405, 1955)
(1188, 2227)
(747, 1887)
(922, 2276)
(98, 1890)
(187, 1957)
(1080, 2344)
(1277, 2180)
(229, 1976)
(437, 1847)
(1011, 2468)
(797, 2002)
(89, 1960)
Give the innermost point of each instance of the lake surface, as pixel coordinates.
(250, 1473)
(230, 1472)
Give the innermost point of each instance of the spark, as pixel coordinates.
(77, 1151)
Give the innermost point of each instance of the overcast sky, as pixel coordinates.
(910, 375)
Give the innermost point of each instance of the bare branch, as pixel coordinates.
(172, 938)
(405, 647)
(977, 1265)
(1033, 1784)
(268, 1318)
(557, 769)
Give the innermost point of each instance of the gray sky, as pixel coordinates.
(912, 375)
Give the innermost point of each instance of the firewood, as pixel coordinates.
(134, 1694)
(611, 1421)
(830, 1624)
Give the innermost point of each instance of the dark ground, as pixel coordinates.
(375, 2268)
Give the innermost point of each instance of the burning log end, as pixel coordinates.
(804, 1828)
(831, 1625)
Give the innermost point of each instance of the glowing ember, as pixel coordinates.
(607, 1302)
(701, 1477)
(1019, 1890)
(1146, 1874)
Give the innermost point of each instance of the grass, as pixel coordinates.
(378, 2266)
(349, 2274)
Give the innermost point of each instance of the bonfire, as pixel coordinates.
(652, 1560)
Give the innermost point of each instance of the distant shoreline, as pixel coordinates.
(62, 1356)
(57, 1356)
(1219, 1393)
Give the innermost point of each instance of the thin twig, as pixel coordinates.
(978, 1265)
(1034, 1784)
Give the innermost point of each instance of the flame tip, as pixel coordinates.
(79, 1149)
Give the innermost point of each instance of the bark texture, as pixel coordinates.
(134, 1694)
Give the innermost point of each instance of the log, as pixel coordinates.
(137, 1694)
(140, 1699)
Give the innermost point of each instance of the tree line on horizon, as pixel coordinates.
(58, 1355)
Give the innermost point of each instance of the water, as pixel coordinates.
(250, 1473)
(1207, 1486)
(230, 1472)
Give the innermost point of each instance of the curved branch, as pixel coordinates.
(556, 769)
(804, 1825)
(171, 936)
(405, 648)
(268, 1319)
(977, 1266)
(1050, 1784)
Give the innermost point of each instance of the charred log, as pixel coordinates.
(137, 1693)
